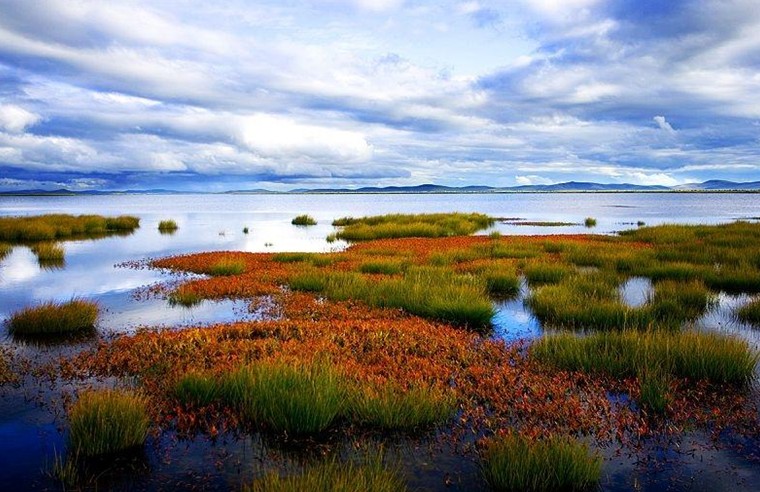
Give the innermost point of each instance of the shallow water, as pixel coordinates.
(93, 269)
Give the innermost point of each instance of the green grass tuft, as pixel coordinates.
(227, 267)
(195, 389)
(392, 408)
(383, 267)
(516, 463)
(716, 358)
(419, 225)
(52, 227)
(750, 312)
(371, 475)
(589, 222)
(49, 254)
(184, 297)
(53, 318)
(107, 421)
(297, 399)
(546, 273)
(304, 220)
(167, 226)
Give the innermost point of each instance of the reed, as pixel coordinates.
(53, 318)
(391, 407)
(304, 220)
(516, 463)
(107, 421)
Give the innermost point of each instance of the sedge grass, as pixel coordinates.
(107, 421)
(184, 297)
(53, 227)
(5, 250)
(712, 357)
(226, 267)
(296, 399)
(516, 463)
(546, 273)
(383, 267)
(49, 254)
(654, 386)
(304, 220)
(428, 292)
(196, 389)
(750, 312)
(53, 318)
(411, 225)
(369, 475)
(393, 408)
(589, 222)
(167, 226)
(502, 284)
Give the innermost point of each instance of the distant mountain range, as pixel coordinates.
(570, 186)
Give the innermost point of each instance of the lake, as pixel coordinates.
(98, 270)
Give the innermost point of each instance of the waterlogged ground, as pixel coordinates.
(114, 272)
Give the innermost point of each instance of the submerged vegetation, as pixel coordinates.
(54, 227)
(53, 318)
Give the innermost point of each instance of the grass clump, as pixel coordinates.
(654, 385)
(411, 225)
(184, 297)
(226, 267)
(750, 312)
(502, 284)
(49, 254)
(383, 267)
(546, 273)
(167, 226)
(52, 227)
(589, 222)
(5, 250)
(428, 292)
(716, 358)
(52, 318)
(196, 389)
(107, 421)
(516, 463)
(297, 399)
(393, 408)
(304, 220)
(371, 475)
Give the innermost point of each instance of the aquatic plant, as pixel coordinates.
(383, 267)
(245, 230)
(185, 297)
(589, 222)
(167, 226)
(227, 266)
(5, 250)
(49, 254)
(546, 273)
(712, 357)
(107, 421)
(750, 312)
(393, 407)
(51, 318)
(304, 220)
(369, 475)
(297, 399)
(515, 463)
(412, 225)
(197, 389)
(53, 227)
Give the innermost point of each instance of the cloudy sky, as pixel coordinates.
(281, 94)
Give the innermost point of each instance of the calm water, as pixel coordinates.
(32, 434)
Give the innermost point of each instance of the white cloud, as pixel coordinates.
(15, 119)
(663, 124)
(279, 137)
(532, 180)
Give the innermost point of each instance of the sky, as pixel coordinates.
(283, 94)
